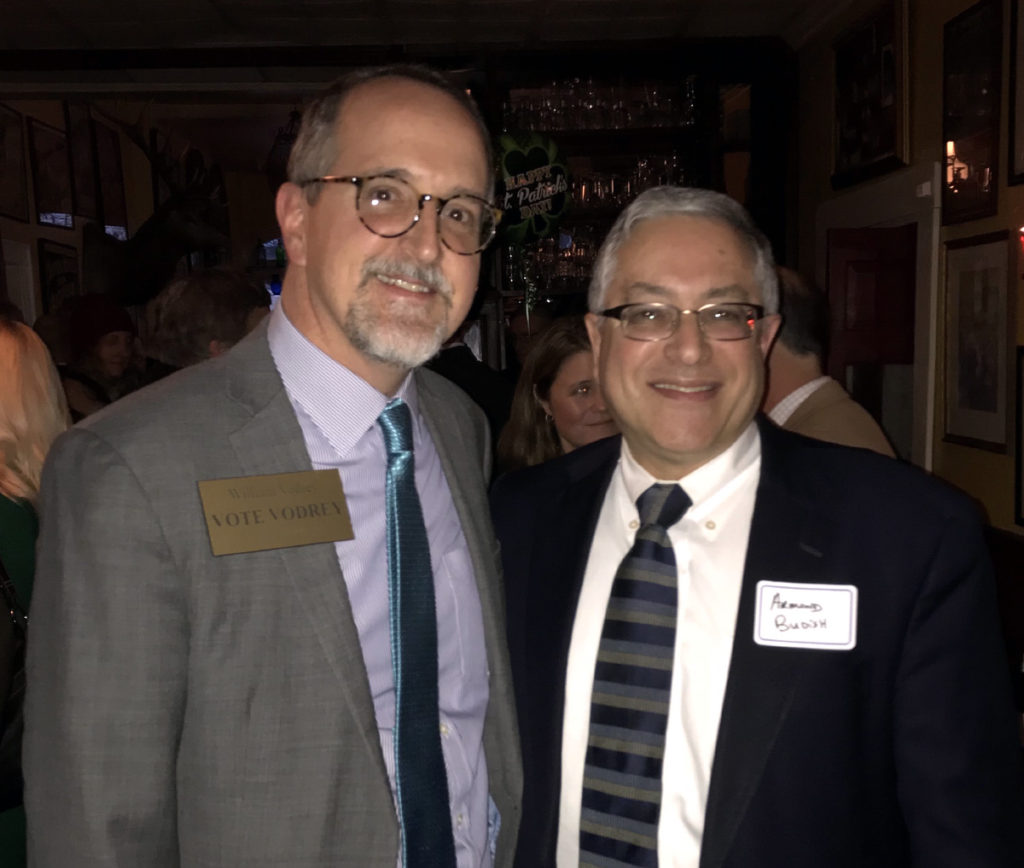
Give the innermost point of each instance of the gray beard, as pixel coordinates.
(389, 335)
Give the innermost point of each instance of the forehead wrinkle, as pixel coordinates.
(642, 289)
(387, 172)
(467, 191)
(729, 293)
(407, 176)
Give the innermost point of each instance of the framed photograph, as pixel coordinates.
(870, 120)
(1018, 510)
(1016, 164)
(112, 200)
(58, 274)
(84, 176)
(51, 174)
(971, 78)
(979, 334)
(13, 177)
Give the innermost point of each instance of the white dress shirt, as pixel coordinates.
(781, 412)
(710, 545)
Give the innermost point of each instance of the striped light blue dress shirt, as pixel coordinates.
(338, 412)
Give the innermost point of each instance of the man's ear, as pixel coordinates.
(768, 331)
(291, 207)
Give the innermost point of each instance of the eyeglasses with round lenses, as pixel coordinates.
(654, 321)
(389, 207)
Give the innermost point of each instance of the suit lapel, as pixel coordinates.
(559, 563)
(564, 530)
(468, 489)
(271, 441)
(467, 484)
(762, 681)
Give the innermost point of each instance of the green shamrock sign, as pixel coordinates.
(536, 186)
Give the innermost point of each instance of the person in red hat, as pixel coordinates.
(102, 341)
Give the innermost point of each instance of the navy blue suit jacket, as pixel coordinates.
(902, 751)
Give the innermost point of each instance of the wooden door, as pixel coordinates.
(871, 292)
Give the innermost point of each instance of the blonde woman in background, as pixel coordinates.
(33, 411)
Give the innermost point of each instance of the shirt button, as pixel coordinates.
(710, 525)
(459, 820)
(634, 524)
(444, 730)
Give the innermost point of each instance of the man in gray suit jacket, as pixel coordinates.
(211, 677)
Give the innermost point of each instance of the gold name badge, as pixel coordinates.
(256, 513)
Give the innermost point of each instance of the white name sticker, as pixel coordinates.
(798, 615)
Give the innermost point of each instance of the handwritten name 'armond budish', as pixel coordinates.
(778, 602)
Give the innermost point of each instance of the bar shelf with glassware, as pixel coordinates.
(615, 140)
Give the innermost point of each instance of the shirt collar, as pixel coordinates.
(708, 479)
(342, 405)
(781, 412)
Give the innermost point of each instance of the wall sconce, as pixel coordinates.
(956, 170)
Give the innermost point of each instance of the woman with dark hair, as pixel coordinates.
(32, 413)
(557, 405)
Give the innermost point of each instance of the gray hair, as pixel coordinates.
(315, 148)
(694, 202)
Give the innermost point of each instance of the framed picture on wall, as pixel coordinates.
(84, 178)
(1018, 510)
(979, 335)
(13, 177)
(58, 274)
(870, 118)
(971, 79)
(51, 174)
(1016, 164)
(108, 158)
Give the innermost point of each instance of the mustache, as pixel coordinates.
(429, 275)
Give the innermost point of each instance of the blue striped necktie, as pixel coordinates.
(632, 683)
(420, 778)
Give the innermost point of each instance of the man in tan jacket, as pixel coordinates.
(800, 397)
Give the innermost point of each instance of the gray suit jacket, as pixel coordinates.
(193, 710)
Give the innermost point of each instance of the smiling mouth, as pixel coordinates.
(686, 390)
(403, 284)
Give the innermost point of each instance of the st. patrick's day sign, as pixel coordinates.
(536, 186)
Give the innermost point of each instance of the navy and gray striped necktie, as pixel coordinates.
(632, 683)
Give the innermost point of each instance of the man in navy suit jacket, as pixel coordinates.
(838, 695)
